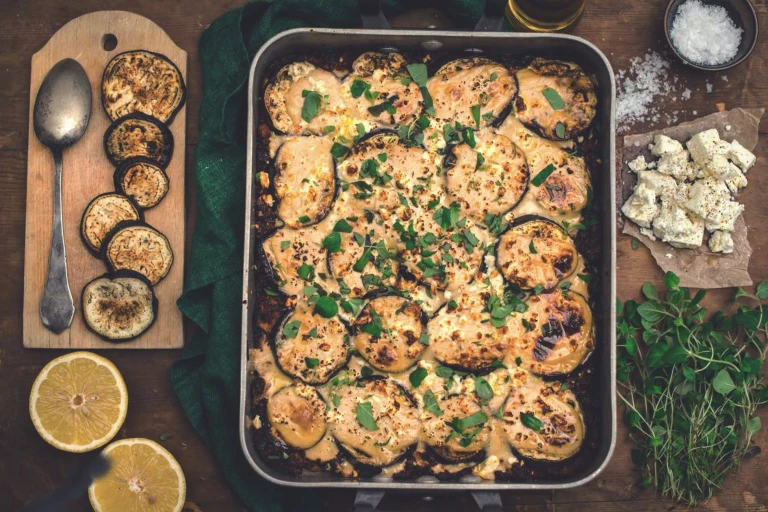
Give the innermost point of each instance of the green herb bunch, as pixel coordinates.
(691, 386)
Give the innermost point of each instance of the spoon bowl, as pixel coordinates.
(60, 117)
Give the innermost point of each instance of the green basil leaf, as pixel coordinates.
(339, 150)
(326, 307)
(483, 389)
(332, 242)
(430, 403)
(542, 176)
(530, 421)
(311, 107)
(358, 87)
(365, 416)
(311, 362)
(560, 130)
(418, 72)
(554, 98)
(476, 114)
(291, 329)
(417, 376)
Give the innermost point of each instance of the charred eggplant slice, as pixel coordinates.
(464, 335)
(102, 214)
(143, 181)
(289, 250)
(299, 83)
(380, 91)
(543, 421)
(460, 432)
(376, 421)
(536, 252)
(305, 180)
(560, 182)
(142, 81)
(139, 247)
(138, 135)
(119, 306)
(561, 334)
(297, 416)
(389, 332)
(489, 178)
(472, 83)
(309, 347)
(556, 98)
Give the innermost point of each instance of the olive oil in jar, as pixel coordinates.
(544, 15)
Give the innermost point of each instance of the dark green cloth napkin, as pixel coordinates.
(207, 375)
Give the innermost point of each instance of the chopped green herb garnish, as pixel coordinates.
(430, 403)
(326, 307)
(291, 329)
(306, 272)
(303, 219)
(359, 87)
(417, 376)
(339, 150)
(542, 176)
(311, 362)
(311, 107)
(530, 421)
(532, 248)
(332, 242)
(560, 130)
(554, 98)
(483, 389)
(476, 114)
(285, 244)
(365, 416)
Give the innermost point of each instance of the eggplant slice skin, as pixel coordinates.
(305, 180)
(561, 334)
(441, 438)
(393, 413)
(102, 214)
(142, 81)
(140, 247)
(119, 306)
(386, 74)
(286, 250)
(570, 83)
(138, 135)
(536, 252)
(143, 181)
(388, 331)
(464, 83)
(297, 416)
(284, 99)
(562, 423)
(491, 178)
(309, 347)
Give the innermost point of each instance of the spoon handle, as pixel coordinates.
(57, 307)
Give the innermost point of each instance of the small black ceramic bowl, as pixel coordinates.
(743, 15)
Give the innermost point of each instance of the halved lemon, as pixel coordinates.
(143, 476)
(78, 402)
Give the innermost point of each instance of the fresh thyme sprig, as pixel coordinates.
(691, 386)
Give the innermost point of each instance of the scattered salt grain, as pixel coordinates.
(639, 88)
(686, 94)
(705, 34)
(724, 78)
(709, 87)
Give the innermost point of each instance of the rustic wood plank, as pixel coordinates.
(87, 173)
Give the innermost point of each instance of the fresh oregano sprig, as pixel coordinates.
(691, 385)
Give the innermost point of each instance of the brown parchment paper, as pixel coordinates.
(697, 268)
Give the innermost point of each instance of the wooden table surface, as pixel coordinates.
(28, 466)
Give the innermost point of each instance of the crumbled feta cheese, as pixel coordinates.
(659, 183)
(663, 145)
(741, 156)
(721, 241)
(736, 180)
(710, 199)
(702, 146)
(648, 232)
(674, 226)
(638, 164)
(718, 167)
(486, 468)
(641, 207)
(676, 165)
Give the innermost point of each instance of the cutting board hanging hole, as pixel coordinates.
(109, 42)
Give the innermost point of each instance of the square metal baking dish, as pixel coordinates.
(563, 47)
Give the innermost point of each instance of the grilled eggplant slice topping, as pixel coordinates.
(305, 180)
(138, 135)
(445, 435)
(558, 413)
(465, 337)
(462, 84)
(143, 181)
(139, 247)
(288, 250)
(297, 416)
(309, 347)
(375, 422)
(388, 333)
(293, 85)
(566, 189)
(556, 98)
(119, 306)
(561, 334)
(380, 91)
(491, 178)
(364, 262)
(102, 214)
(142, 81)
(536, 252)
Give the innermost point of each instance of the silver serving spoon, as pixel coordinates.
(61, 115)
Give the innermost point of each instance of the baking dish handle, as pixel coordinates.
(373, 17)
(366, 500)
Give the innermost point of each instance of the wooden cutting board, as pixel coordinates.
(87, 173)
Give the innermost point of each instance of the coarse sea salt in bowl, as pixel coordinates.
(711, 35)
